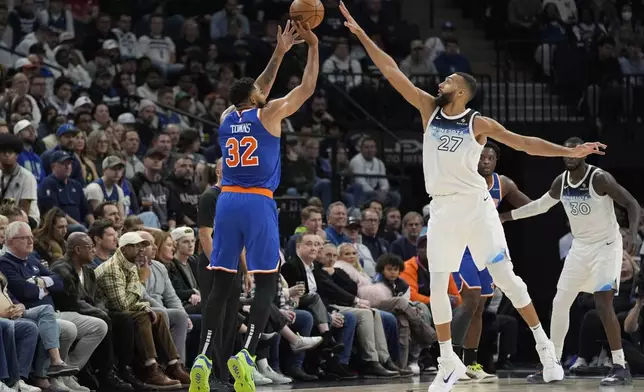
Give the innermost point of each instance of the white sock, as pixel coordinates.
(539, 334)
(447, 351)
(618, 357)
(172, 362)
(262, 364)
(150, 362)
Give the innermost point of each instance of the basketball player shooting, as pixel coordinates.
(249, 136)
(594, 262)
(452, 144)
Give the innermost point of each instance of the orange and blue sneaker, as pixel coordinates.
(200, 374)
(241, 368)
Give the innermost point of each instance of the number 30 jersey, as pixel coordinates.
(451, 155)
(251, 155)
(592, 217)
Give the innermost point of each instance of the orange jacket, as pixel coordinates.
(410, 275)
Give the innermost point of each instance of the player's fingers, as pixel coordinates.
(308, 26)
(299, 41)
(279, 30)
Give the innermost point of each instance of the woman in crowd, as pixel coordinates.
(98, 148)
(49, 237)
(102, 118)
(80, 152)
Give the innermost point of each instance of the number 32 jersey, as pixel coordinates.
(451, 155)
(592, 217)
(251, 155)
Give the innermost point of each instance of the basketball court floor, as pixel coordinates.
(420, 384)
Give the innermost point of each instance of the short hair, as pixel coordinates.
(13, 228)
(187, 138)
(240, 90)
(307, 211)
(98, 228)
(363, 215)
(576, 140)
(10, 210)
(495, 147)
(100, 209)
(470, 84)
(158, 135)
(80, 114)
(367, 139)
(300, 238)
(131, 223)
(389, 210)
(389, 259)
(411, 215)
(10, 142)
(165, 90)
(332, 205)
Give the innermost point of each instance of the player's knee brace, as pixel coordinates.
(440, 303)
(511, 285)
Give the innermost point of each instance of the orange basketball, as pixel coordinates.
(311, 11)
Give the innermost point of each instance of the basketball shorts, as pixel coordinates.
(245, 220)
(470, 277)
(464, 220)
(590, 268)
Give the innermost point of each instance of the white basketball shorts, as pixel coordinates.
(460, 221)
(594, 267)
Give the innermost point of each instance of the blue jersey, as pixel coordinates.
(251, 155)
(495, 190)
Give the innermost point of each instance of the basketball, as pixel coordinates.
(311, 11)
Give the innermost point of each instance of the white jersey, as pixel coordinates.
(451, 155)
(592, 217)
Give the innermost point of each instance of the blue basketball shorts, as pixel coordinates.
(245, 220)
(470, 276)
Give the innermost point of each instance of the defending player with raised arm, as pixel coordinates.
(594, 262)
(246, 218)
(452, 143)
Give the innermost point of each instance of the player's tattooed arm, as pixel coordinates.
(605, 184)
(537, 207)
(512, 193)
(285, 41)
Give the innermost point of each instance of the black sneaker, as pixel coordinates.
(376, 370)
(334, 369)
(390, 365)
(618, 375)
(330, 346)
(298, 374)
(126, 374)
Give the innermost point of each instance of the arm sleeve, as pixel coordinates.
(536, 207)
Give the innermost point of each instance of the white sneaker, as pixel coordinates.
(56, 385)
(304, 343)
(24, 387)
(449, 371)
(71, 383)
(579, 363)
(274, 376)
(414, 368)
(476, 373)
(6, 388)
(260, 379)
(552, 369)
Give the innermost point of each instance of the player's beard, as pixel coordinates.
(443, 99)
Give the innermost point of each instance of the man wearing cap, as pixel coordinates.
(106, 187)
(118, 283)
(83, 103)
(66, 135)
(16, 182)
(29, 158)
(102, 90)
(59, 190)
(151, 192)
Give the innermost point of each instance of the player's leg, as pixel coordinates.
(227, 246)
(261, 238)
(489, 248)
(472, 338)
(469, 285)
(446, 241)
(606, 271)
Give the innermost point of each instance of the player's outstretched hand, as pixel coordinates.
(350, 23)
(305, 33)
(583, 150)
(288, 37)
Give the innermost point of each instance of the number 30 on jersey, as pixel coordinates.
(241, 152)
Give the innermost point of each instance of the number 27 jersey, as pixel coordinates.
(251, 155)
(451, 155)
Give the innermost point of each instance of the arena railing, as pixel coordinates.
(553, 82)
